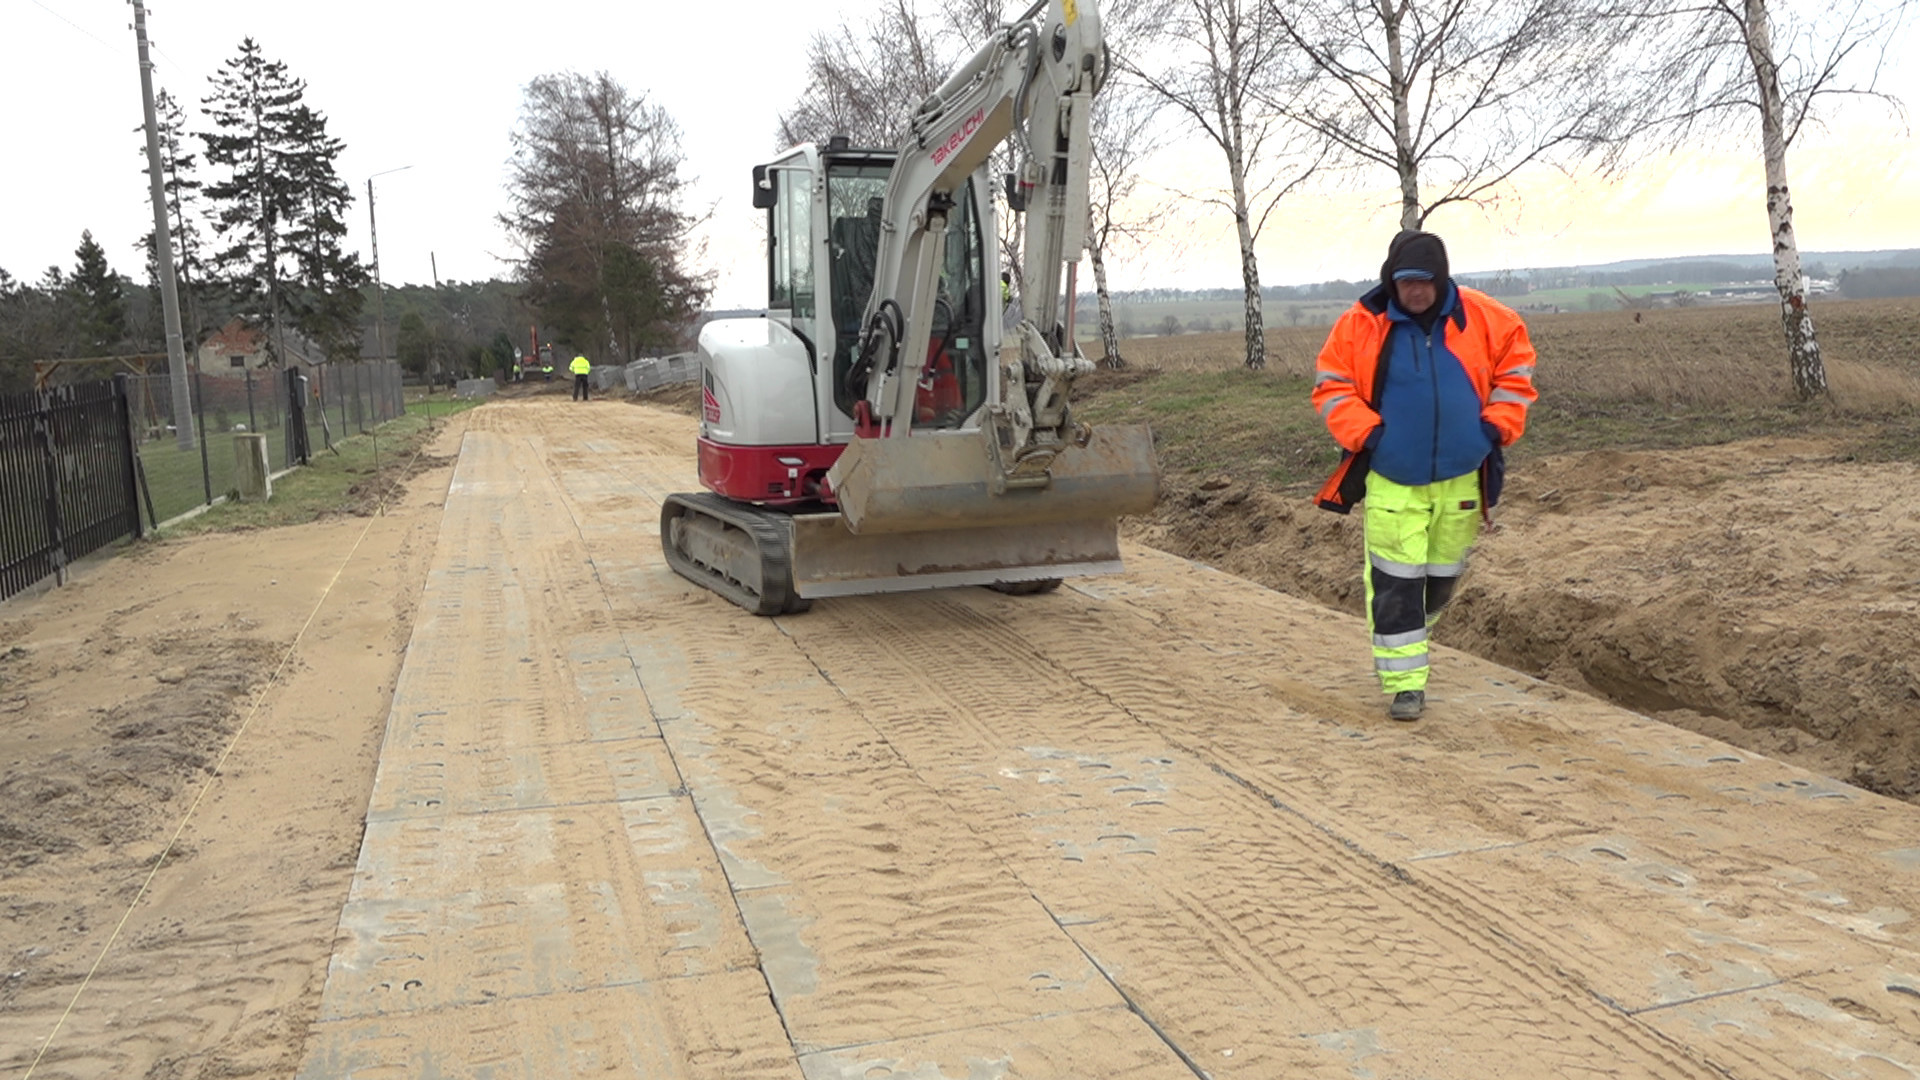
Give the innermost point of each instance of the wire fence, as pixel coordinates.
(340, 400)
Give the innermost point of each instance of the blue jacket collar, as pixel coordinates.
(1380, 301)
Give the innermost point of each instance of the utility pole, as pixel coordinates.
(163, 245)
(379, 290)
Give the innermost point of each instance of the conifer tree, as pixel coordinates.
(99, 301)
(185, 215)
(279, 210)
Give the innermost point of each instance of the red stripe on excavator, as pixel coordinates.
(768, 475)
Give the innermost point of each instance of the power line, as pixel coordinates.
(70, 22)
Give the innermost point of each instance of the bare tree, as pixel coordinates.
(1124, 135)
(595, 197)
(1728, 63)
(1455, 96)
(1225, 61)
(864, 80)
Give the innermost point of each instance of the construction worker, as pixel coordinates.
(1422, 383)
(546, 370)
(580, 367)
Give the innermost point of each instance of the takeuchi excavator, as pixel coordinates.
(869, 435)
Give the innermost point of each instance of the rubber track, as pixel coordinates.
(769, 531)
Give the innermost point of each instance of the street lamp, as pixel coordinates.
(379, 291)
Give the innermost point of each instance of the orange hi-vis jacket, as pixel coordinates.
(1487, 338)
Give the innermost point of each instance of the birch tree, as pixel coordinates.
(1124, 135)
(1224, 62)
(1456, 96)
(1746, 64)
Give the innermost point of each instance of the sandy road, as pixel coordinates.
(1147, 826)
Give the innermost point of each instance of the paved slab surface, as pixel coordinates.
(1153, 825)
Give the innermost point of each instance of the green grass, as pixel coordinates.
(1252, 425)
(351, 480)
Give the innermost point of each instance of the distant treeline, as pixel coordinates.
(1880, 281)
(1855, 282)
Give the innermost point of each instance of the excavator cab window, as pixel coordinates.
(954, 383)
(790, 285)
(856, 193)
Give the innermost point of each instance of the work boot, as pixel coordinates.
(1407, 705)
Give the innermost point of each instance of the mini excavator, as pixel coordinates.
(868, 434)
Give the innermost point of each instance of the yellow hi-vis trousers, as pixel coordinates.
(1417, 541)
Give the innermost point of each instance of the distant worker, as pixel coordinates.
(1422, 383)
(580, 367)
(1006, 288)
(546, 370)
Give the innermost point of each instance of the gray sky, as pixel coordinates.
(437, 87)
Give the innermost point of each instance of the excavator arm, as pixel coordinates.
(1032, 88)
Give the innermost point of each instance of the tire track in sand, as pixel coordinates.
(1297, 930)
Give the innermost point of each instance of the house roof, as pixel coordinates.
(237, 338)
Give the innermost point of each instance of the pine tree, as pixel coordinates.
(185, 216)
(280, 211)
(250, 107)
(326, 302)
(99, 301)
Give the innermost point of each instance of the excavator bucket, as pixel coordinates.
(933, 510)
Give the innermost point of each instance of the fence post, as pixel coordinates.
(297, 447)
(253, 425)
(50, 469)
(199, 419)
(129, 455)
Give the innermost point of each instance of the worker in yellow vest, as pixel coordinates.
(580, 368)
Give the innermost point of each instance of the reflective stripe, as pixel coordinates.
(1523, 369)
(1400, 663)
(1507, 395)
(1447, 569)
(1328, 376)
(1331, 402)
(1395, 641)
(1390, 568)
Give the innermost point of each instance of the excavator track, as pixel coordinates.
(741, 552)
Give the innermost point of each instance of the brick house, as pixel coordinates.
(236, 348)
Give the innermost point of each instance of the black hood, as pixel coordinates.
(1414, 250)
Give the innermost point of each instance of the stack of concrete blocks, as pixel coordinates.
(475, 388)
(653, 372)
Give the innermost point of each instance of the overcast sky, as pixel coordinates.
(437, 87)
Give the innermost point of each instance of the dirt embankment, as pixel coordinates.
(1763, 593)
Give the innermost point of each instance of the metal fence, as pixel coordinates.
(78, 463)
(68, 484)
(341, 400)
